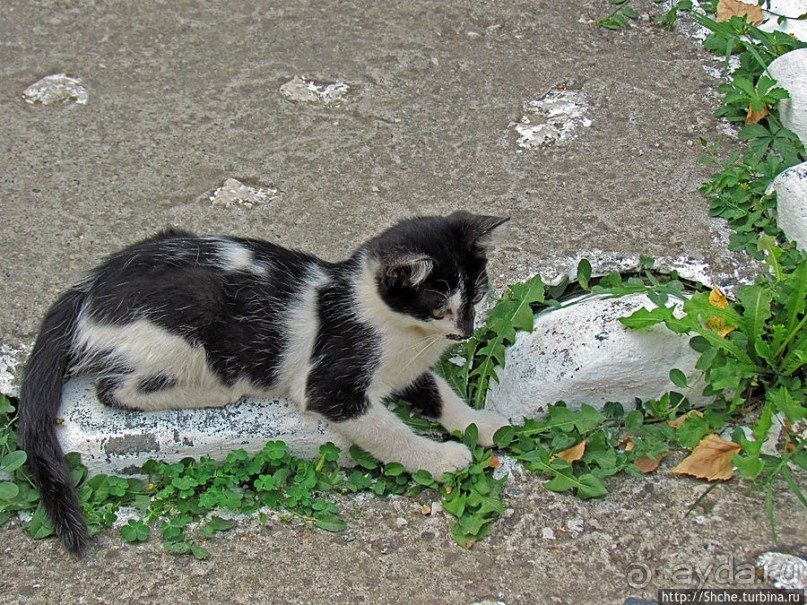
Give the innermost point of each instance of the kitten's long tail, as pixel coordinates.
(40, 399)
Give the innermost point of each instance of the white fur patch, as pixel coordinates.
(302, 325)
(420, 270)
(235, 257)
(456, 415)
(409, 346)
(150, 350)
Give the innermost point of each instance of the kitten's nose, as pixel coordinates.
(465, 329)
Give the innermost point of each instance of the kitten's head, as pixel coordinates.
(430, 271)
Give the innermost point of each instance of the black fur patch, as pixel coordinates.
(104, 389)
(156, 383)
(424, 395)
(345, 354)
(175, 281)
(458, 263)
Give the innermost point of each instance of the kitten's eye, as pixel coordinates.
(439, 313)
(479, 296)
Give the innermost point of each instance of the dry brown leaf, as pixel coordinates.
(726, 9)
(676, 424)
(426, 510)
(647, 464)
(718, 324)
(573, 453)
(718, 299)
(711, 459)
(752, 117)
(628, 443)
(494, 462)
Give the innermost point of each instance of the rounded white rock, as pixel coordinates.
(788, 71)
(791, 203)
(583, 354)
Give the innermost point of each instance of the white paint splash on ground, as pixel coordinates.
(235, 193)
(786, 572)
(9, 360)
(56, 89)
(553, 118)
(302, 89)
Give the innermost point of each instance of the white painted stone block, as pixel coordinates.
(115, 441)
(791, 203)
(582, 354)
(788, 70)
(772, 9)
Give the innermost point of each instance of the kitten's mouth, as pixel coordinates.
(456, 337)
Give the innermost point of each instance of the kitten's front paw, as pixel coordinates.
(448, 457)
(488, 422)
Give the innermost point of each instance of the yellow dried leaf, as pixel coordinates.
(752, 117)
(676, 424)
(711, 459)
(719, 325)
(426, 510)
(718, 299)
(726, 9)
(494, 462)
(573, 453)
(647, 464)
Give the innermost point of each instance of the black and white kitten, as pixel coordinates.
(181, 321)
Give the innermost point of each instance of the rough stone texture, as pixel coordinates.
(119, 441)
(788, 70)
(791, 203)
(582, 354)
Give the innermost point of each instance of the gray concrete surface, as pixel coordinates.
(183, 95)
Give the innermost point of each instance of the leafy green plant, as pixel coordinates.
(753, 353)
(16, 489)
(485, 350)
(619, 18)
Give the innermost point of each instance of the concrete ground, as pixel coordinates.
(183, 95)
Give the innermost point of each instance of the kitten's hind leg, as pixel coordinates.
(437, 399)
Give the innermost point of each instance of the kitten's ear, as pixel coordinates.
(407, 270)
(484, 231)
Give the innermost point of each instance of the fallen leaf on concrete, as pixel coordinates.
(711, 459)
(647, 464)
(573, 453)
(494, 462)
(676, 424)
(726, 9)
